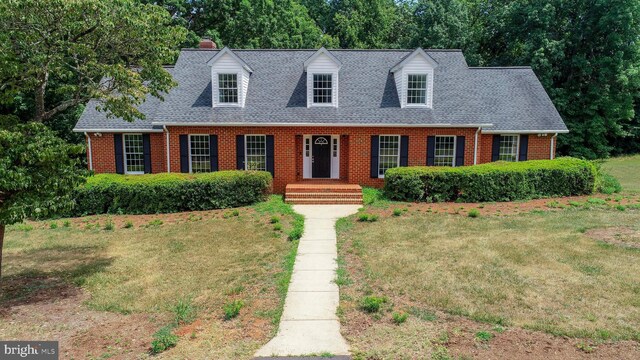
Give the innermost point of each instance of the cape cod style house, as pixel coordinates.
(327, 119)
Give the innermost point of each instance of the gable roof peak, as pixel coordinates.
(321, 51)
(230, 52)
(417, 52)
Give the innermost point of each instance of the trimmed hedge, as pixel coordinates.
(499, 181)
(164, 193)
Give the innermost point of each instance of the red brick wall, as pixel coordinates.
(539, 147)
(355, 143)
(104, 157)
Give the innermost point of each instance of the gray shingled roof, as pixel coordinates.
(512, 99)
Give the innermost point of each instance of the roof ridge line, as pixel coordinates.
(498, 67)
(359, 50)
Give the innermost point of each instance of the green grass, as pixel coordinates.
(627, 170)
(534, 271)
(172, 272)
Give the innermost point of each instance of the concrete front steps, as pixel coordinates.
(323, 194)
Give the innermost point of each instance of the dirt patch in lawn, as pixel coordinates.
(514, 207)
(59, 313)
(622, 236)
(516, 343)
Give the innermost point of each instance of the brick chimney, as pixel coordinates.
(206, 43)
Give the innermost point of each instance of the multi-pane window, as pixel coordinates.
(508, 148)
(322, 88)
(199, 153)
(389, 154)
(307, 147)
(228, 88)
(417, 89)
(444, 154)
(256, 152)
(133, 154)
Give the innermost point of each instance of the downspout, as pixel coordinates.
(475, 147)
(89, 151)
(551, 152)
(168, 149)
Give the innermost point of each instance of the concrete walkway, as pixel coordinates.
(309, 324)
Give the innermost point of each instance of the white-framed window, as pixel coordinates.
(388, 153)
(322, 88)
(445, 151)
(228, 88)
(417, 89)
(509, 145)
(199, 154)
(133, 154)
(307, 147)
(255, 152)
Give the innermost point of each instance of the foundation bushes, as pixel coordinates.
(499, 181)
(164, 193)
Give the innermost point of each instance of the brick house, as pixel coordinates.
(327, 116)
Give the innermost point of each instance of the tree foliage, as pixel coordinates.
(37, 172)
(58, 54)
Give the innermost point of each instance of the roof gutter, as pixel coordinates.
(168, 150)
(89, 151)
(525, 132)
(118, 130)
(324, 125)
(475, 147)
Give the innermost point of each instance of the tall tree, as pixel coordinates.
(362, 24)
(586, 54)
(37, 172)
(62, 53)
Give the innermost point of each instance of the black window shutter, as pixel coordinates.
(119, 150)
(240, 152)
(524, 147)
(460, 151)
(374, 156)
(213, 152)
(495, 152)
(404, 150)
(184, 153)
(431, 150)
(146, 151)
(270, 165)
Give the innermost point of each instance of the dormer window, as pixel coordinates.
(228, 88)
(413, 76)
(322, 70)
(322, 89)
(417, 89)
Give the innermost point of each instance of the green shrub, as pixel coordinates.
(474, 213)
(165, 193)
(53, 225)
(399, 317)
(163, 339)
(606, 183)
(154, 223)
(128, 224)
(499, 181)
(109, 225)
(66, 224)
(596, 201)
(397, 212)
(184, 311)
(275, 219)
(232, 309)
(372, 304)
(367, 217)
(277, 227)
(484, 336)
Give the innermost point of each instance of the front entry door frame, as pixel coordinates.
(307, 156)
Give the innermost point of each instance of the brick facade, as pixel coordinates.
(355, 149)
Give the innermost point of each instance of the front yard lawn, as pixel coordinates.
(516, 286)
(627, 170)
(104, 285)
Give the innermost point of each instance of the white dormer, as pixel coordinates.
(322, 70)
(229, 79)
(414, 79)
